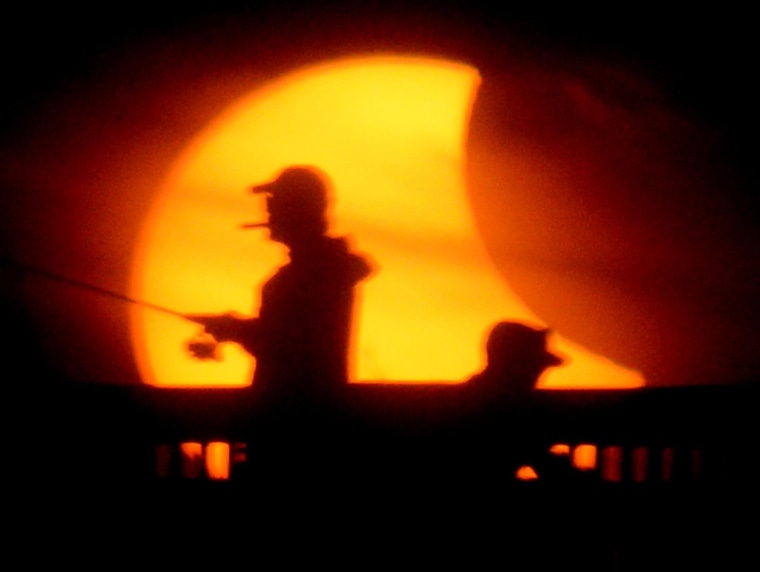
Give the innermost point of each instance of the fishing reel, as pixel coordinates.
(204, 346)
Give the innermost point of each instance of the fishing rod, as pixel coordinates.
(202, 346)
(196, 318)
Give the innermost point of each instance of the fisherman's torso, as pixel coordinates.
(305, 318)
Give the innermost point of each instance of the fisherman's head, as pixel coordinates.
(297, 202)
(518, 351)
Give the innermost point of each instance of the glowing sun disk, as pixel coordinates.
(390, 132)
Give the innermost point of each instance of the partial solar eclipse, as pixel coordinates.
(390, 131)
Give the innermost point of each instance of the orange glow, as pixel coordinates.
(390, 131)
(584, 457)
(526, 473)
(192, 460)
(612, 464)
(218, 460)
(639, 464)
(560, 449)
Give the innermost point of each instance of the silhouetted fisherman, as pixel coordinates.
(516, 357)
(301, 336)
(506, 433)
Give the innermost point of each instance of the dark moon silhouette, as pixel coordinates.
(617, 216)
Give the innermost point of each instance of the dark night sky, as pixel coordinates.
(700, 60)
(702, 54)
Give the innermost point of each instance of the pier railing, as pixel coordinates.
(663, 435)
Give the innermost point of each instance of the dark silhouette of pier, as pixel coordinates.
(674, 476)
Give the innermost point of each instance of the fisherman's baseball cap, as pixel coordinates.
(303, 184)
(519, 338)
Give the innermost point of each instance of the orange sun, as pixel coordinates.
(390, 131)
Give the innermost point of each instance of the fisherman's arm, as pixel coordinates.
(230, 327)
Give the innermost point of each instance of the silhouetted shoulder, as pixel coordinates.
(351, 265)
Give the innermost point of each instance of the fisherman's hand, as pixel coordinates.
(223, 327)
(204, 347)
